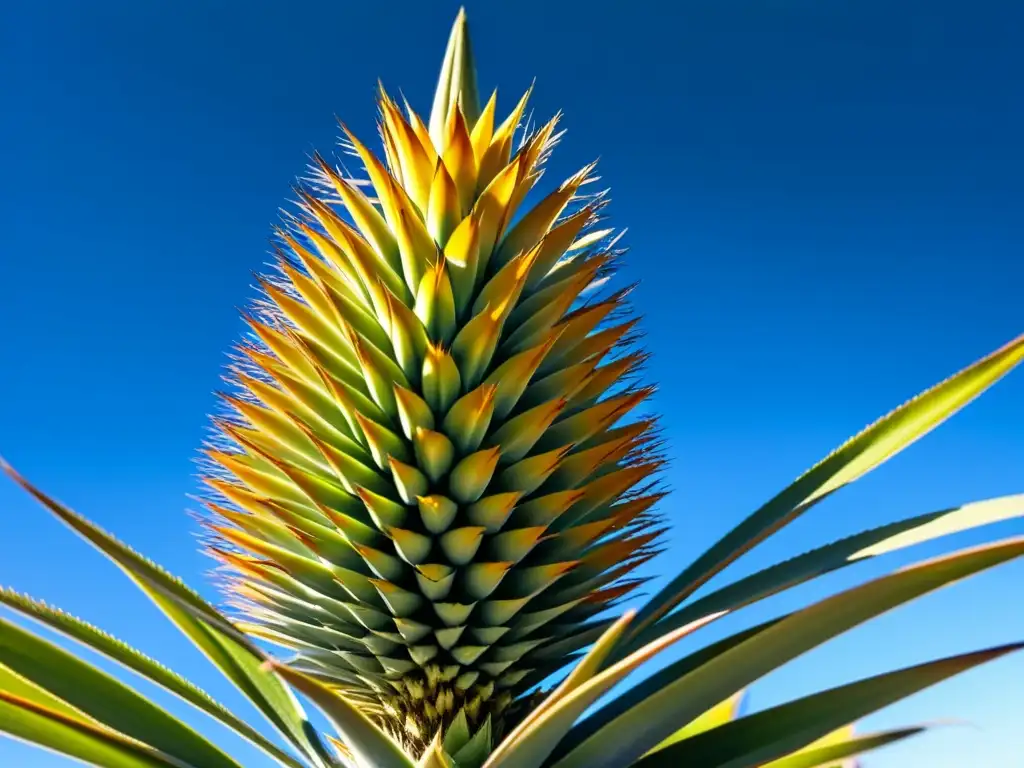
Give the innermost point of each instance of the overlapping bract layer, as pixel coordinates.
(432, 482)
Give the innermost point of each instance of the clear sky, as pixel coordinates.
(824, 202)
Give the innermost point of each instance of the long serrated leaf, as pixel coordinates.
(622, 703)
(116, 650)
(242, 664)
(531, 748)
(782, 730)
(369, 745)
(680, 701)
(239, 660)
(834, 755)
(93, 745)
(839, 554)
(104, 698)
(859, 455)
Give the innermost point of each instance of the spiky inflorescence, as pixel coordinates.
(429, 486)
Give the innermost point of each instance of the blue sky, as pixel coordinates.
(823, 202)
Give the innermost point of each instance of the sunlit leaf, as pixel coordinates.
(91, 744)
(132, 659)
(236, 657)
(859, 455)
(841, 554)
(103, 698)
(678, 702)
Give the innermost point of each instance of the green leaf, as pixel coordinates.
(587, 667)
(103, 698)
(825, 756)
(371, 747)
(457, 735)
(859, 455)
(622, 703)
(473, 754)
(590, 664)
(833, 754)
(680, 701)
(838, 736)
(25, 720)
(782, 730)
(239, 660)
(242, 663)
(124, 654)
(16, 685)
(721, 713)
(529, 748)
(839, 554)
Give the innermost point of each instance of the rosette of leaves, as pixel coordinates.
(431, 492)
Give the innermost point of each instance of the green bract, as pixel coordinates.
(430, 490)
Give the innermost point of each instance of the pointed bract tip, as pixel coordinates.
(457, 83)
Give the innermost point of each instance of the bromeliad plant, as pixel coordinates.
(430, 489)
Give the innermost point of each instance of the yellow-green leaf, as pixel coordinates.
(720, 714)
(93, 745)
(435, 756)
(678, 702)
(103, 698)
(141, 664)
(587, 667)
(805, 730)
(859, 455)
(16, 685)
(531, 747)
(625, 701)
(370, 746)
(840, 554)
(212, 633)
